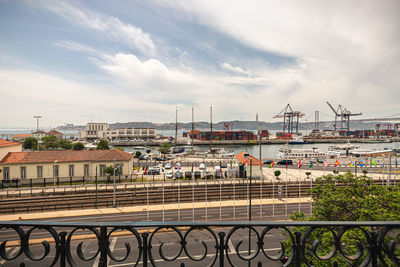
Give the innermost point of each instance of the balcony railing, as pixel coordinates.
(205, 244)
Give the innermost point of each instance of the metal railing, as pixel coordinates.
(303, 243)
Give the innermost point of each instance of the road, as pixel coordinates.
(117, 244)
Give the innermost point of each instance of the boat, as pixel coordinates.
(291, 153)
(372, 153)
(139, 147)
(296, 140)
(176, 150)
(343, 150)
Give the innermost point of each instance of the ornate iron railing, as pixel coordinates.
(217, 243)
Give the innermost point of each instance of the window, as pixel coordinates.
(102, 167)
(23, 172)
(71, 170)
(86, 169)
(39, 171)
(6, 173)
(55, 170)
(128, 131)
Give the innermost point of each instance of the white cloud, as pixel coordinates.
(235, 69)
(110, 27)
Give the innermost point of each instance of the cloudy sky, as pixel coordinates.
(120, 61)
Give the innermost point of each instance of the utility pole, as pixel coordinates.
(211, 128)
(192, 126)
(176, 125)
(37, 130)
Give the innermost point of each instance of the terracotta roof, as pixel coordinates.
(54, 132)
(22, 135)
(39, 132)
(244, 160)
(4, 143)
(66, 156)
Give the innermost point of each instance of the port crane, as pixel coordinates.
(344, 115)
(290, 119)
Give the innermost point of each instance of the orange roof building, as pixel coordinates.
(252, 164)
(7, 146)
(65, 163)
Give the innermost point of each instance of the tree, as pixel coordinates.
(103, 144)
(138, 154)
(356, 199)
(164, 148)
(78, 146)
(65, 144)
(109, 171)
(50, 142)
(308, 175)
(277, 173)
(365, 172)
(30, 143)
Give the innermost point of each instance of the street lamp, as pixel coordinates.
(246, 155)
(114, 169)
(37, 130)
(54, 174)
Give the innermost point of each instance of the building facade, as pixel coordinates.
(69, 163)
(7, 146)
(95, 131)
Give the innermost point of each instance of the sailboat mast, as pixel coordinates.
(192, 126)
(176, 125)
(211, 128)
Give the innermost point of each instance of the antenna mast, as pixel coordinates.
(176, 125)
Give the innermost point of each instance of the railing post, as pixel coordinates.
(221, 248)
(103, 243)
(374, 249)
(145, 235)
(298, 249)
(62, 248)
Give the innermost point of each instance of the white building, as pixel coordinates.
(95, 131)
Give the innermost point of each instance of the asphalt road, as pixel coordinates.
(171, 245)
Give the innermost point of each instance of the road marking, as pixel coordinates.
(112, 246)
(11, 252)
(231, 247)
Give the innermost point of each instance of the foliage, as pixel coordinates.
(103, 144)
(138, 153)
(277, 173)
(78, 146)
(356, 199)
(30, 143)
(365, 172)
(109, 171)
(164, 148)
(50, 142)
(65, 144)
(308, 174)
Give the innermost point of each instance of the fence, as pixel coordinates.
(375, 243)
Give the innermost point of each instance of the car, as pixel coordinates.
(168, 166)
(268, 162)
(188, 174)
(178, 175)
(207, 174)
(153, 171)
(285, 162)
(143, 157)
(170, 174)
(159, 159)
(197, 174)
(178, 166)
(202, 166)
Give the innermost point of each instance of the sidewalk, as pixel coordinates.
(123, 210)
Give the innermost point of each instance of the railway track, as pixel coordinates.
(154, 195)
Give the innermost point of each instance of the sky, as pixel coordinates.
(120, 61)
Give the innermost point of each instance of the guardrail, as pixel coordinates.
(302, 243)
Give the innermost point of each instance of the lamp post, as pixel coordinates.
(248, 157)
(114, 190)
(37, 130)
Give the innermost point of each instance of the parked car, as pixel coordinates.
(268, 162)
(285, 162)
(178, 166)
(202, 166)
(188, 174)
(159, 159)
(197, 174)
(178, 175)
(168, 166)
(153, 171)
(143, 157)
(170, 174)
(207, 174)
